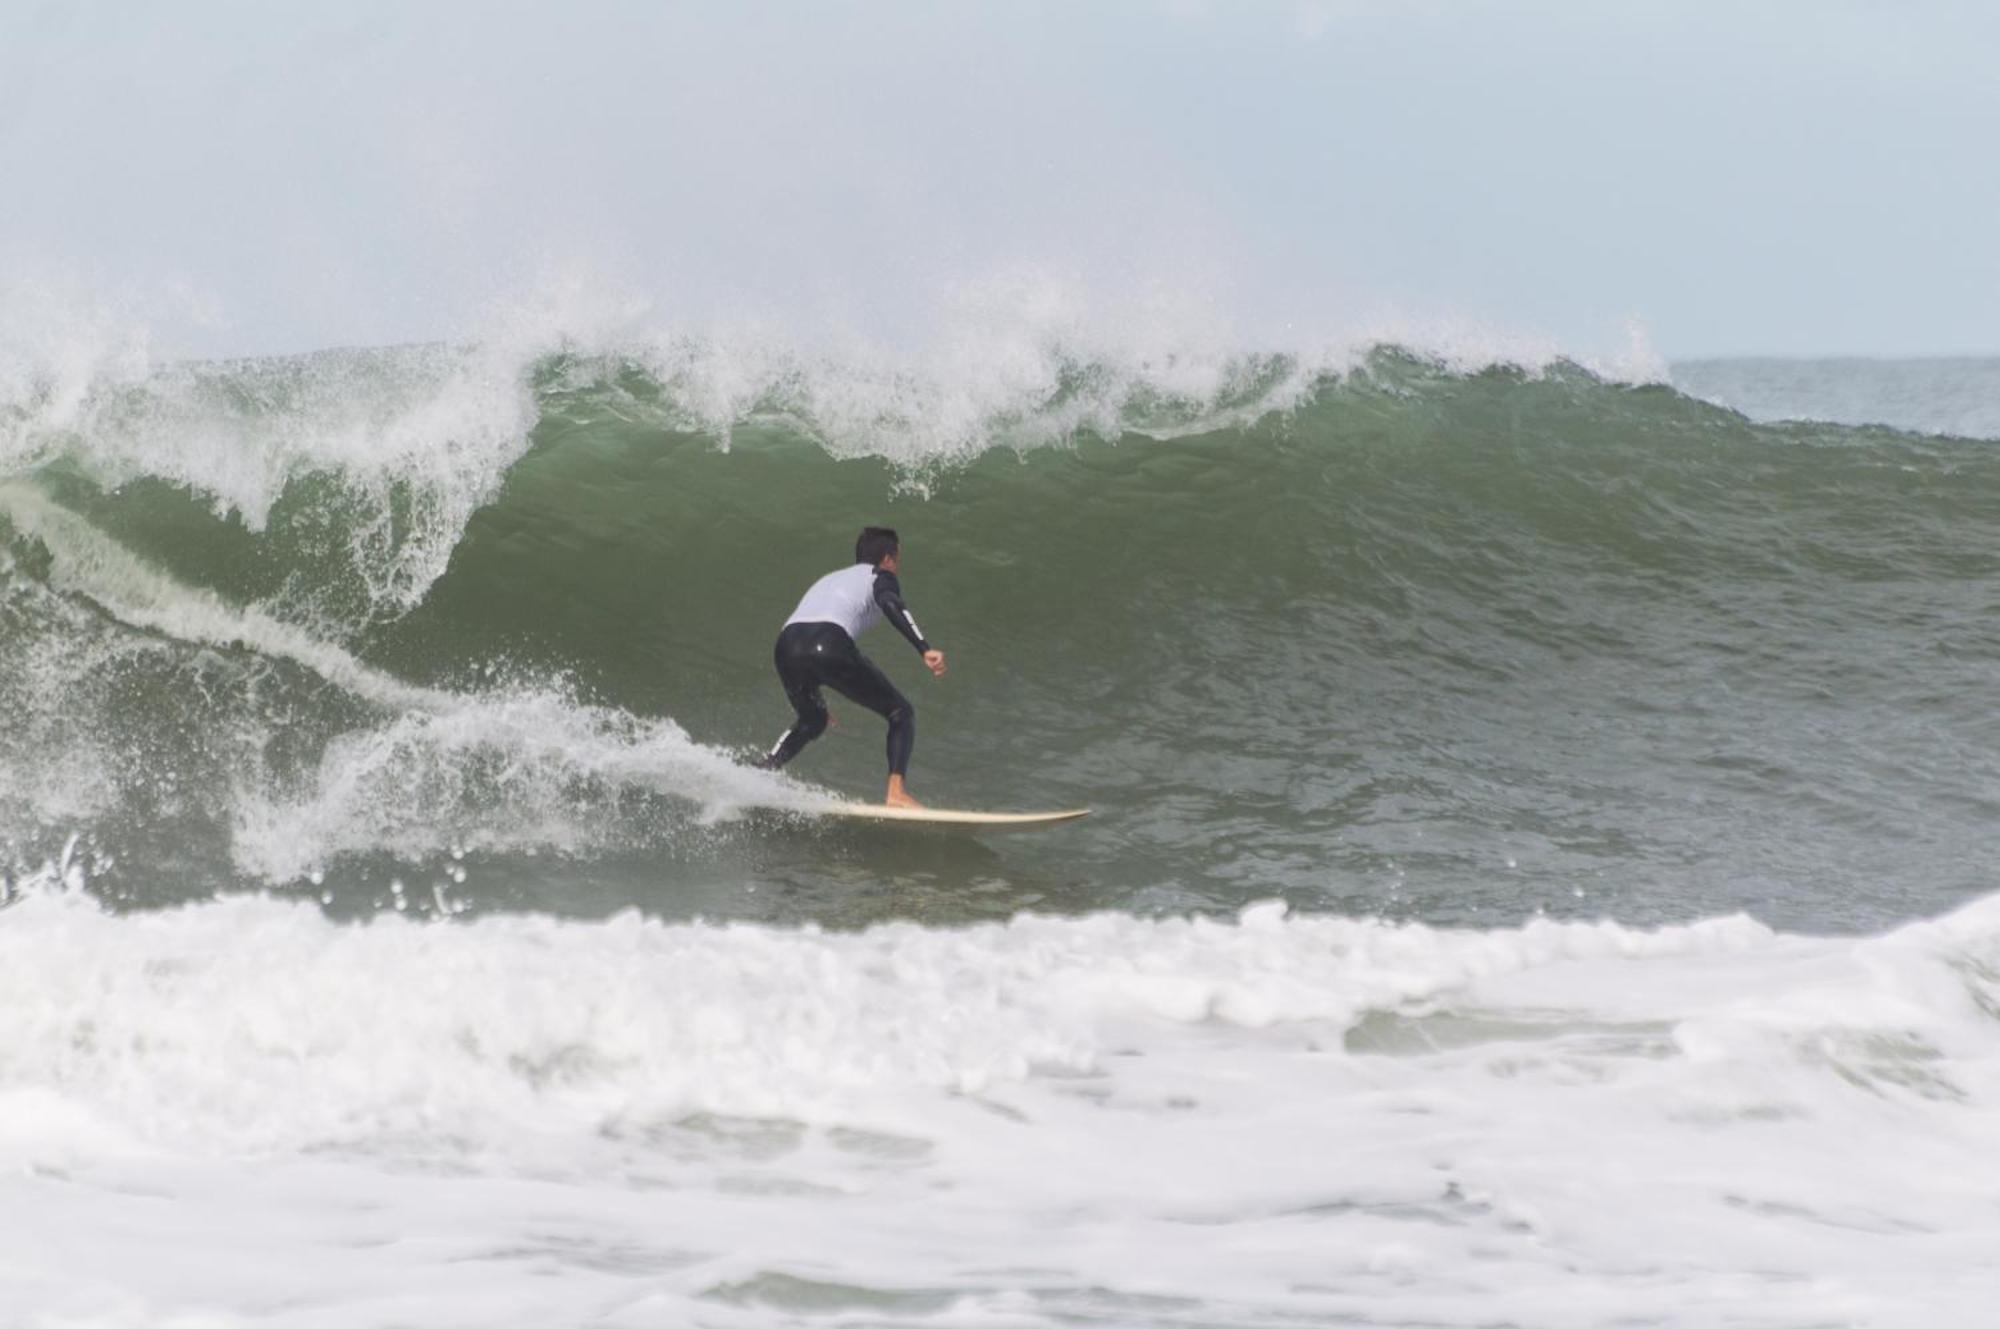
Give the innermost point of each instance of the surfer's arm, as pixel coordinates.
(889, 599)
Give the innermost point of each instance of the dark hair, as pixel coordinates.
(874, 544)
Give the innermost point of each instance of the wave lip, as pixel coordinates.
(413, 439)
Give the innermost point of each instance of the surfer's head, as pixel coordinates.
(875, 545)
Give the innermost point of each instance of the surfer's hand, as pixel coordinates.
(935, 659)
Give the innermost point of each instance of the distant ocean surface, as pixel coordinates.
(1541, 870)
(1955, 395)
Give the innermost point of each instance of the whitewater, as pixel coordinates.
(1539, 873)
(241, 1113)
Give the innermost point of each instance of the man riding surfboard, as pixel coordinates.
(816, 649)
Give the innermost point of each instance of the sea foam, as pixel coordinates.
(1168, 1119)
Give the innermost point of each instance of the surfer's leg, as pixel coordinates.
(811, 724)
(855, 676)
(796, 657)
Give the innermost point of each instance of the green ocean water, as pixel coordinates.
(1405, 640)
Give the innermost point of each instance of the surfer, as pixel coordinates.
(816, 649)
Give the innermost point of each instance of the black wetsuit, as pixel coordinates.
(816, 649)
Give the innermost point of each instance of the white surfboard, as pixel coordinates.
(949, 817)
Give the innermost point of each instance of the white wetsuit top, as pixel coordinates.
(856, 598)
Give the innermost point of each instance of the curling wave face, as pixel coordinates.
(1391, 633)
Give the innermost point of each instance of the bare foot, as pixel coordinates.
(899, 797)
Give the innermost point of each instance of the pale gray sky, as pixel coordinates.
(1786, 177)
